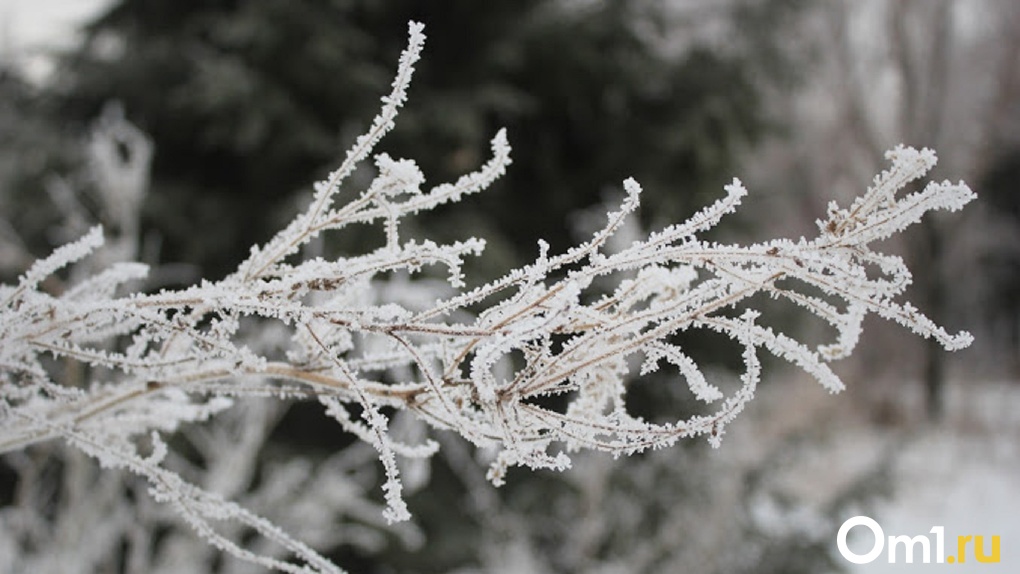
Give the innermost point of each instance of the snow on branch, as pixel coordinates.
(552, 327)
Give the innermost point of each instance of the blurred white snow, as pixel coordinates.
(963, 475)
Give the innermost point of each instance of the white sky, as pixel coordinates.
(29, 27)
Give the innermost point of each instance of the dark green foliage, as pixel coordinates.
(249, 102)
(32, 149)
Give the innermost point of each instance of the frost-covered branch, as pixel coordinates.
(578, 325)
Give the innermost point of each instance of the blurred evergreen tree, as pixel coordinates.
(249, 102)
(33, 149)
(1000, 188)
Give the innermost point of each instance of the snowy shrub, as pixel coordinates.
(371, 337)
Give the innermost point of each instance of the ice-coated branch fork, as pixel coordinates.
(579, 325)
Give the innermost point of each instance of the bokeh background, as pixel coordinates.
(248, 103)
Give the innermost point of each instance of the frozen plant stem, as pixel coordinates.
(185, 353)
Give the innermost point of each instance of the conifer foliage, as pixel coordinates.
(534, 365)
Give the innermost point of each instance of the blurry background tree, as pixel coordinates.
(249, 102)
(33, 149)
(1000, 160)
(1001, 187)
(939, 74)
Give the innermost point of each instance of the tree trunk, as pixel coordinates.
(934, 295)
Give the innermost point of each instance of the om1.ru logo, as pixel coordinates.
(908, 544)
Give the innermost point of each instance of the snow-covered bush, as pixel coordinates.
(370, 337)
